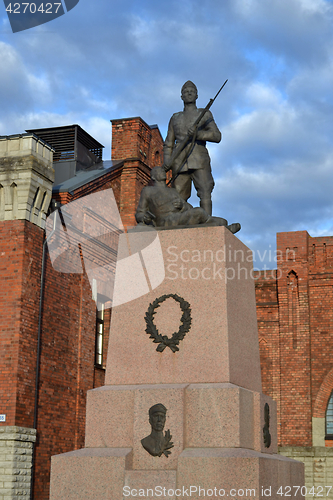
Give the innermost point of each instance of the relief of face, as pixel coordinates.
(157, 421)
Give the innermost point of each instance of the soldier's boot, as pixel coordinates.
(206, 204)
(235, 227)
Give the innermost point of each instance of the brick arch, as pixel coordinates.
(290, 275)
(319, 408)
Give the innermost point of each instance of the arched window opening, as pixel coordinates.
(329, 419)
(13, 190)
(34, 206)
(99, 337)
(34, 201)
(2, 202)
(157, 159)
(42, 205)
(293, 306)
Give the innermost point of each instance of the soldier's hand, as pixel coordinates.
(191, 132)
(147, 219)
(143, 218)
(178, 204)
(166, 167)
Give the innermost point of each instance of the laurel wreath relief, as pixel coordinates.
(184, 328)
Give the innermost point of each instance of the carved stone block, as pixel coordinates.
(218, 415)
(222, 343)
(89, 473)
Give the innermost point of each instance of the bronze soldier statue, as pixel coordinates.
(193, 162)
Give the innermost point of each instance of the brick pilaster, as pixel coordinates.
(294, 401)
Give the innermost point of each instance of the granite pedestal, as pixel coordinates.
(211, 387)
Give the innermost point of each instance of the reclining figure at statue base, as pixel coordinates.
(163, 207)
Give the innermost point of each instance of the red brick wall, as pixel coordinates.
(268, 329)
(131, 138)
(20, 268)
(295, 344)
(67, 368)
(68, 347)
(156, 148)
(142, 148)
(295, 321)
(67, 363)
(321, 321)
(11, 263)
(134, 177)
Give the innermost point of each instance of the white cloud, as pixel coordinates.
(12, 66)
(264, 96)
(315, 6)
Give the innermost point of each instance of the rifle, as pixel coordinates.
(152, 216)
(185, 141)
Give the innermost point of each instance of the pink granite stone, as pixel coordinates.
(211, 269)
(172, 397)
(109, 417)
(117, 416)
(150, 483)
(259, 412)
(217, 469)
(89, 474)
(235, 473)
(218, 415)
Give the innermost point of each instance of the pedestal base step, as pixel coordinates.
(107, 474)
(90, 474)
(150, 484)
(237, 472)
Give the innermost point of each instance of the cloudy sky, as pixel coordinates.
(109, 59)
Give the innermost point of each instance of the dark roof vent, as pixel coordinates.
(64, 141)
(74, 149)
